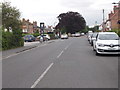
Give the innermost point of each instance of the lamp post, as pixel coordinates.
(118, 22)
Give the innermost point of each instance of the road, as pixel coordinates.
(67, 63)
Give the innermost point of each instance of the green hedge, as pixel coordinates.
(52, 36)
(11, 40)
(116, 31)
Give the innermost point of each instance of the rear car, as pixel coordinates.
(77, 34)
(64, 36)
(29, 38)
(93, 37)
(107, 43)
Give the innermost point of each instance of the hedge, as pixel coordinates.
(116, 31)
(11, 40)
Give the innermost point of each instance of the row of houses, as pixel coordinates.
(28, 27)
(113, 21)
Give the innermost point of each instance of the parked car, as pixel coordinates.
(73, 35)
(46, 37)
(82, 34)
(29, 38)
(77, 34)
(89, 36)
(93, 37)
(107, 43)
(64, 36)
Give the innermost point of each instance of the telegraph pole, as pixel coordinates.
(103, 19)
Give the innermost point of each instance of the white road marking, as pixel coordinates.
(60, 54)
(40, 78)
(67, 46)
(10, 56)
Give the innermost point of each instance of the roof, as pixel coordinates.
(107, 33)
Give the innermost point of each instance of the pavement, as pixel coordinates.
(27, 46)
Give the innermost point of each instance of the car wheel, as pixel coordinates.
(96, 53)
(91, 43)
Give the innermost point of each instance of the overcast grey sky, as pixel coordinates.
(48, 10)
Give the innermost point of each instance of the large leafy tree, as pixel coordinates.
(71, 22)
(10, 16)
(11, 19)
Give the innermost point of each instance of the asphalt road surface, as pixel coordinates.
(69, 63)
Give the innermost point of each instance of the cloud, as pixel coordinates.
(48, 10)
(76, 3)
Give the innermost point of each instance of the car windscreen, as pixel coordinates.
(90, 34)
(94, 35)
(108, 37)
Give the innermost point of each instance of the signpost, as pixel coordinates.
(42, 29)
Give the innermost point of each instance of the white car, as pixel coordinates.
(89, 36)
(93, 37)
(106, 43)
(64, 36)
(77, 34)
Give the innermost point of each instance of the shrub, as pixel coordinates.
(11, 40)
(116, 31)
(52, 36)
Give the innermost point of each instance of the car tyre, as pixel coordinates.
(97, 53)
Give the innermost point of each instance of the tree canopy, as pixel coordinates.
(71, 22)
(10, 16)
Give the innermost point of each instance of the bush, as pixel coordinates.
(11, 40)
(52, 36)
(116, 31)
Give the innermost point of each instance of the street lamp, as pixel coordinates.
(118, 13)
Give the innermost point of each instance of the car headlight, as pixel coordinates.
(100, 45)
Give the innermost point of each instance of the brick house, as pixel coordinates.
(28, 27)
(114, 16)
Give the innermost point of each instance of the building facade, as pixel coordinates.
(28, 27)
(114, 17)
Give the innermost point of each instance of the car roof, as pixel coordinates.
(107, 33)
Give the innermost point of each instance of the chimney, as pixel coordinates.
(115, 9)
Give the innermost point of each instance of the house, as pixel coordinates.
(28, 27)
(114, 17)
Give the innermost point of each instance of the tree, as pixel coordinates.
(71, 21)
(11, 19)
(10, 16)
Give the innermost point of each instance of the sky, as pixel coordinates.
(47, 10)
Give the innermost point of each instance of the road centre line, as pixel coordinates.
(42, 75)
(60, 54)
(67, 46)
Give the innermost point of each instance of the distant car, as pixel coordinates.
(46, 37)
(93, 37)
(82, 34)
(77, 34)
(29, 38)
(64, 36)
(89, 36)
(107, 43)
(73, 35)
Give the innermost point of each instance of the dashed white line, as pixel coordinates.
(67, 46)
(44, 73)
(60, 54)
